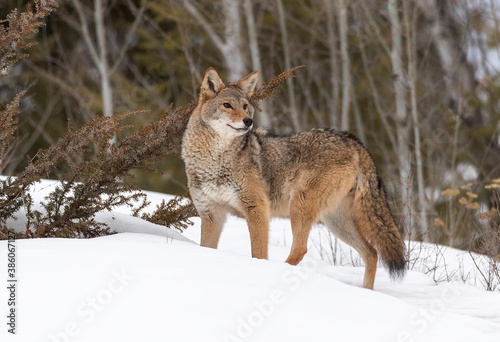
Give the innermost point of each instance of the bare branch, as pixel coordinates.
(85, 32)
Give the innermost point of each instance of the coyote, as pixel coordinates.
(320, 176)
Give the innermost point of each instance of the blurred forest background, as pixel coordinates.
(417, 81)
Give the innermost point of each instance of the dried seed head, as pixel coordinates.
(473, 205)
(438, 222)
(270, 89)
(471, 194)
(450, 192)
(468, 186)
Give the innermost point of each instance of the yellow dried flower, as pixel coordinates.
(466, 187)
(450, 192)
(483, 216)
(474, 205)
(462, 200)
(487, 215)
(492, 186)
(438, 222)
(471, 194)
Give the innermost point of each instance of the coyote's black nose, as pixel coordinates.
(248, 122)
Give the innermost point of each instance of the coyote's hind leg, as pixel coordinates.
(342, 225)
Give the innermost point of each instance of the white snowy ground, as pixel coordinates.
(141, 285)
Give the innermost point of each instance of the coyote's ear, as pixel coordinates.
(248, 83)
(212, 84)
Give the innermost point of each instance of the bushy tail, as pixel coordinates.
(375, 219)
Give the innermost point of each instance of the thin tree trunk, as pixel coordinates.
(334, 64)
(286, 51)
(107, 94)
(459, 74)
(411, 28)
(346, 69)
(232, 34)
(263, 117)
(383, 113)
(401, 114)
(358, 120)
(229, 44)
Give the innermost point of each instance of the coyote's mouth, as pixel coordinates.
(244, 129)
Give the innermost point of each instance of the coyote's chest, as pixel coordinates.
(213, 181)
(219, 194)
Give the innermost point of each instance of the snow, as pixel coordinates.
(151, 284)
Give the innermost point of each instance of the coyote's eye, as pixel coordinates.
(245, 106)
(227, 105)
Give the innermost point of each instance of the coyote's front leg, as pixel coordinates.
(211, 228)
(256, 211)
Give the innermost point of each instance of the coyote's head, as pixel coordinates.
(226, 107)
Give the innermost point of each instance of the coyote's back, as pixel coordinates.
(321, 175)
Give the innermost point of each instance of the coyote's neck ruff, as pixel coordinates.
(316, 176)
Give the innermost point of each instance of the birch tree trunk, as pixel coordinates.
(334, 65)
(286, 52)
(107, 94)
(459, 74)
(232, 34)
(401, 113)
(263, 117)
(98, 52)
(346, 69)
(410, 29)
(229, 43)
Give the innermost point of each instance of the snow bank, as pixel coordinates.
(154, 286)
(138, 287)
